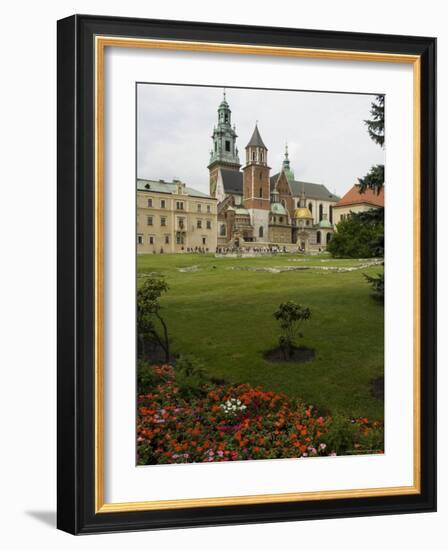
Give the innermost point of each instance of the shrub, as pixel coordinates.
(291, 317)
(377, 284)
(190, 376)
(151, 326)
(359, 236)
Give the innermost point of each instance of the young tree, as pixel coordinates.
(291, 317)
(151, 326)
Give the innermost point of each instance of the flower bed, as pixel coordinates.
(240, 422)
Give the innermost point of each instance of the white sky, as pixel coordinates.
(327, 138)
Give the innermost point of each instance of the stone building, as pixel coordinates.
(255, 207)
(354, 201)
(172, 217)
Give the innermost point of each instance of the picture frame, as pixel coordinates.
(82, 41)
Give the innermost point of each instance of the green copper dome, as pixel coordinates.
(278, 209)
(325, 224)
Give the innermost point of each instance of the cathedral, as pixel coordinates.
(257, 209)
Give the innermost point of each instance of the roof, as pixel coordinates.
(303, 214)
(232, 181)
(312, 190)
(161, 186)
(278, 208)
(255, 140)
(368, 197)
(325, 224)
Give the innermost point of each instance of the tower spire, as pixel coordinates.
(286, 165)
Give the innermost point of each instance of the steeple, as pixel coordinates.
(224, 137)
(255, 140)
(286, 166)
(256, 150)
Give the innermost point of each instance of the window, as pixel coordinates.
(298, 204)
(227, 146)
(163, 221)
(260, 231)
(280, 219)
(199, 224)
(331, 213)
(321, 212)
(310, 207)
(208, 209)
(261, 156)
(149, 203)
(139, 239)
(328, 237)
(167, 239)
(318, 237)
(162, 203)
(260, 193)
(179, 238)
(226, 118)
(209, 224)
(179, 205)
(253, 155)
(180, 223)
(260, 175)
(222, 230)
(149, 220)
(199, 207)
(151, 239)
(204, 240)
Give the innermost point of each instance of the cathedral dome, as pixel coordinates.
(325, 224)
(302, 213)
(278, 208)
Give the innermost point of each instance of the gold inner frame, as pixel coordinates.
(101, 42)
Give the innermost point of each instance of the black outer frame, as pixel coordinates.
(75, 173)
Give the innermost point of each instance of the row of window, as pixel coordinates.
(152, 239)
(180, 239)
(181, 222)
(179, 205)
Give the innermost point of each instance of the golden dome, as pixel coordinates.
(302, 213)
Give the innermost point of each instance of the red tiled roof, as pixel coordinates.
(368, 197)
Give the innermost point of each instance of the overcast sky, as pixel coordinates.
(327, 139)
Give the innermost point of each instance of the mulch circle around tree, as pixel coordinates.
(377, 388)
(296, 355)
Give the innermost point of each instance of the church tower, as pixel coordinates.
(256, 185)
(225, 152)
(286, 166)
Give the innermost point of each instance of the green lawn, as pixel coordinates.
(225, 318)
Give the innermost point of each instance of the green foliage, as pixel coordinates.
(151, 326)
(374, 179)
(377, 284)
(340, 435)
(291, 317)
(190, 376)
(147, 377)
(375, 125)
(358, 237)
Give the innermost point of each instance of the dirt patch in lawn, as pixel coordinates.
(377, 388)
(296, 355)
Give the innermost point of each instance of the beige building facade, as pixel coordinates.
(354, 202)
(174, 218)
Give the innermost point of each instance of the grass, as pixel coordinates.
(225, 319)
